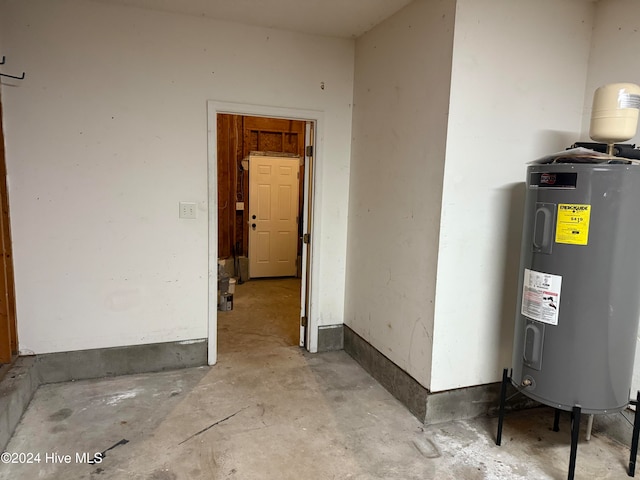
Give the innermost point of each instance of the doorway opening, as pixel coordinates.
(261, 171)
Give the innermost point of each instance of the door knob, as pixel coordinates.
(253, 216)
(253, 225)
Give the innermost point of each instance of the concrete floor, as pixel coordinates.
(268, 410)
(265, 312)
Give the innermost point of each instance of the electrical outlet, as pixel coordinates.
(187, 210)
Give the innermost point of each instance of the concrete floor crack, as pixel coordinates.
(212, 425)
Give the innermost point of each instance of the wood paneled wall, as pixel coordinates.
(238, 136)
(230, 146)
(8, 321)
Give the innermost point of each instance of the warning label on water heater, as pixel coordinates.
(573, 224)
(541, 296)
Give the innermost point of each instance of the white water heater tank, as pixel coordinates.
(614, 117)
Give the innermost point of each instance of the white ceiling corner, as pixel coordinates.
(336, 18)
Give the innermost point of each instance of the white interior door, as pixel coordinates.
(273, 221)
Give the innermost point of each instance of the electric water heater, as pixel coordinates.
(579, 286)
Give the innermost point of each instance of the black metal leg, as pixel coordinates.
(634, 439)
(556, 420)
(575, 431)
(503, 395)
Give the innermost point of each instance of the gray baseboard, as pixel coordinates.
(28, 373)
(615, 426)
(16, 391)
(398, 382)
(330, 337)
(470, 402)
(109, 362)
(428, 407)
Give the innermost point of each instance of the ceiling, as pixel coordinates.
(336, 18)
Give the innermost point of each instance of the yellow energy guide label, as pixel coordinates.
(572, 226)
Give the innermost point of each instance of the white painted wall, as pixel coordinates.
(614, 58)
(517, 92)
(614, 51)
(399, 130)
(109, 132)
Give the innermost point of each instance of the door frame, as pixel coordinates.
(214, 107)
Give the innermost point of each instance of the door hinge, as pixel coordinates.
(303, 321)
(308, 151)
(306, 238)
(298, 175)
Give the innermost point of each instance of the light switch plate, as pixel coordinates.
(239, 205)
(187, 210)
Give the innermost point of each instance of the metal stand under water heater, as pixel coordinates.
(579, 279)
